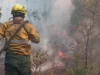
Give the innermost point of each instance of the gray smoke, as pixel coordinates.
(54, 32)
(55, 27)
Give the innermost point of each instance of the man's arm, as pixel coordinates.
(33, 35)
(35, 38)
(2, 30)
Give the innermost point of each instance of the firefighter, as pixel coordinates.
(17, 59)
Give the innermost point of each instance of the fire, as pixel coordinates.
(61, 54)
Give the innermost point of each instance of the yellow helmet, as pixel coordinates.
(18, 8)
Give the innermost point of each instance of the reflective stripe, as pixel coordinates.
(1, 37)
(20, 41)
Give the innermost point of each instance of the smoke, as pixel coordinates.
(55, 27)
(54, 33)
(61, 11)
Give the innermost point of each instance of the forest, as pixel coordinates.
(69, 33)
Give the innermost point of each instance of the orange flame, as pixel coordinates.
(61, 54)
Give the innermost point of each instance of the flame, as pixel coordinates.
(61, 54)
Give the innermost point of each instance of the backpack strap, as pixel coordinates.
(27, 32)
(8, 41)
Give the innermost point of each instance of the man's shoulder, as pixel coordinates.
(10, 22)
(27, 23)
(29, 26)
(7, 23)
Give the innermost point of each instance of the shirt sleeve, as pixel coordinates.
(33, 34)
(2, 29)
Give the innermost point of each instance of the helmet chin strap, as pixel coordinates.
(10, 18)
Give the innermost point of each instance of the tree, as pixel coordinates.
(87, 36)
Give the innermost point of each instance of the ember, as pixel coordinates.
(62, 54)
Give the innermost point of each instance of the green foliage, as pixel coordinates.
(82, 70)
(75, 17)
(78, 9)
(69, 72)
